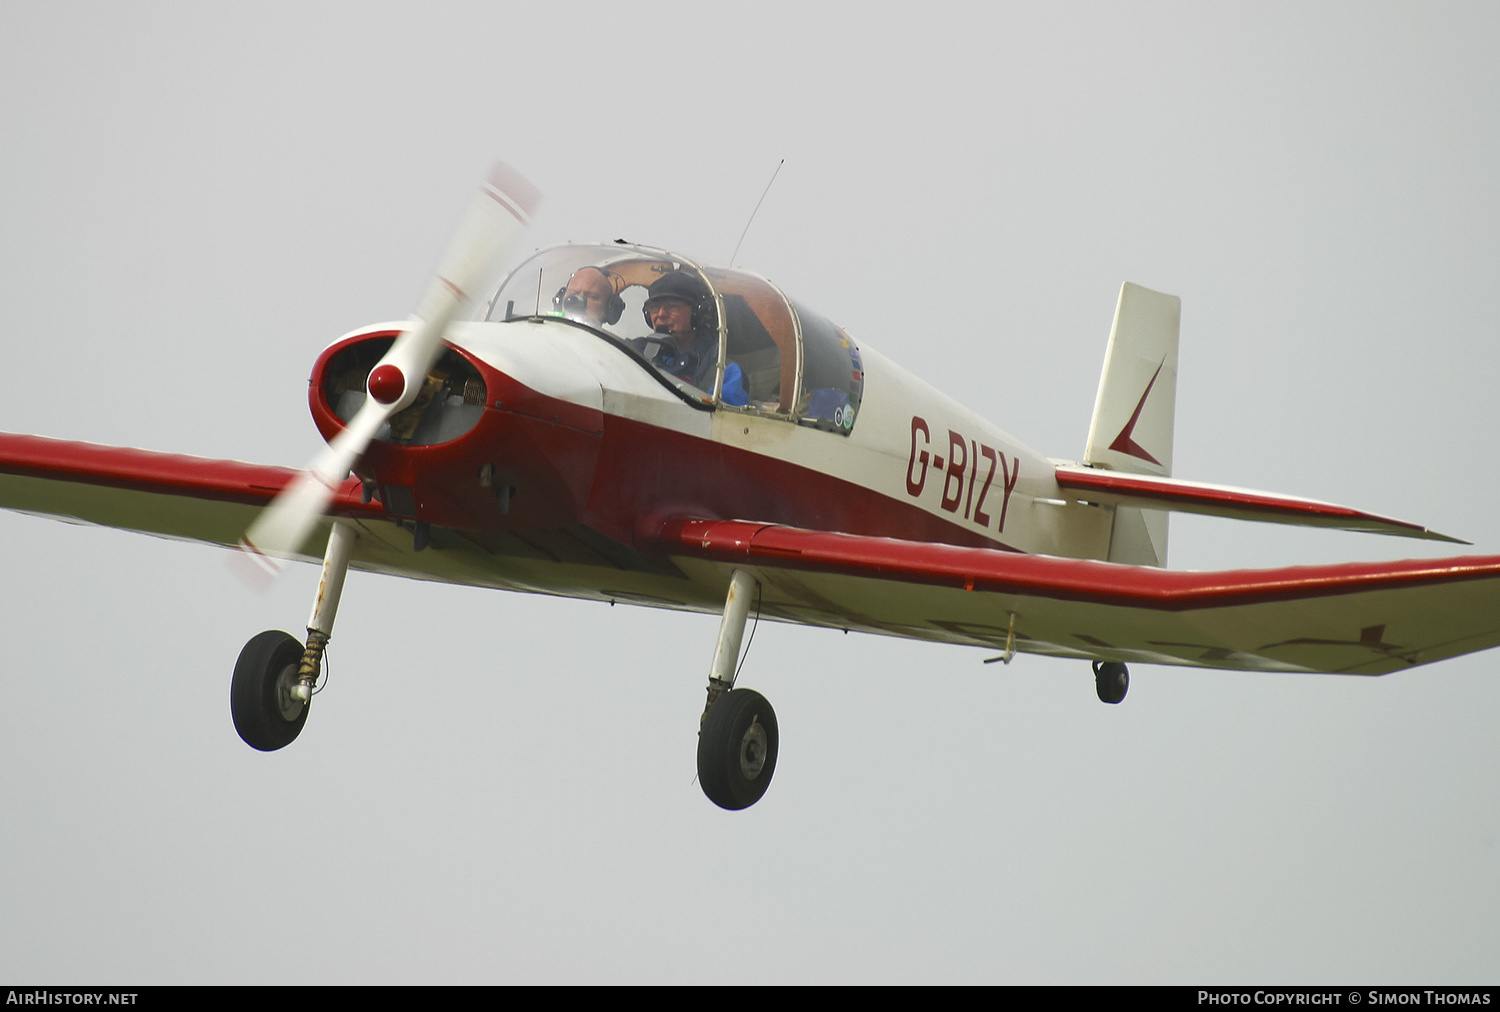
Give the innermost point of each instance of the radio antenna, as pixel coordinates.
(759, 202)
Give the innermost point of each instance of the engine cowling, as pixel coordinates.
(466, 453)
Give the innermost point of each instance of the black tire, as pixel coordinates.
(266, 717)
(737, 749)
(1111, 681)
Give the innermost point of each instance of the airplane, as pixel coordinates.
(616, 422)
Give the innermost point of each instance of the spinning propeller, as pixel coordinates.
(489, 230)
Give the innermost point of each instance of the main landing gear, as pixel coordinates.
(738, 737)
(275, 675)
(1111, 681)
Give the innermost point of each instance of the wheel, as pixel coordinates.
(737, 749)
(1111, 681)
(260, 697)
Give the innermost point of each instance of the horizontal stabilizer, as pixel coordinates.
(1113, 488)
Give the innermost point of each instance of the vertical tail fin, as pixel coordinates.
(1134, 413)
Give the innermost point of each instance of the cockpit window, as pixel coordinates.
(761, 339)
(722, 336)
(833, 376)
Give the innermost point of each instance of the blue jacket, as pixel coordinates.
(696, 366)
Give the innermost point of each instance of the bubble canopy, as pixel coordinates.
(753, 349)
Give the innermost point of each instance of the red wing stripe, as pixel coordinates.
(1103, 583)
(161, 473)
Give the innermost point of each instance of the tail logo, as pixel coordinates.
(1124, 442)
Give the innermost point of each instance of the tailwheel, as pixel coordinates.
(1111, 681)
(267, 713)
(737, 749)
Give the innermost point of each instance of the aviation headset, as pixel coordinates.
(612, 308)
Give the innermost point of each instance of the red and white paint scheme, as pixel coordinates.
(539, 446)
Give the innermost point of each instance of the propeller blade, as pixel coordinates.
(490, 229)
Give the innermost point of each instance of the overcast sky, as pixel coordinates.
(195, 200)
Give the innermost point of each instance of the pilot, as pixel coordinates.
(679, 310)
(592, 296)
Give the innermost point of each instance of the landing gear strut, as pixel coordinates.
(275, 675)
(1111, 681)
(738, 736)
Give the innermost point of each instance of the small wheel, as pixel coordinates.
(1111, 681)
(260, 697)
(737, 749)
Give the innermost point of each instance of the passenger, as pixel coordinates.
(592, 296)
(679, 310)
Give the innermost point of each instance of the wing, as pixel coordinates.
(1357, 618)
(1116, 488)
(169, 495)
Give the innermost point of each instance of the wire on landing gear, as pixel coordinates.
(327, 673)
(314, 667)
(755, 625)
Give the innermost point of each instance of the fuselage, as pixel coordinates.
(576, 431)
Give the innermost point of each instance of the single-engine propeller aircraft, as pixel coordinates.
(622, 423)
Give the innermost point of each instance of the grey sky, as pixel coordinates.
(497, 788)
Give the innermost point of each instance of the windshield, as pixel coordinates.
(602, 286)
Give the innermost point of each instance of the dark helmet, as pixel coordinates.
(685, 286)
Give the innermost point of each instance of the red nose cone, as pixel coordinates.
(387, 384)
